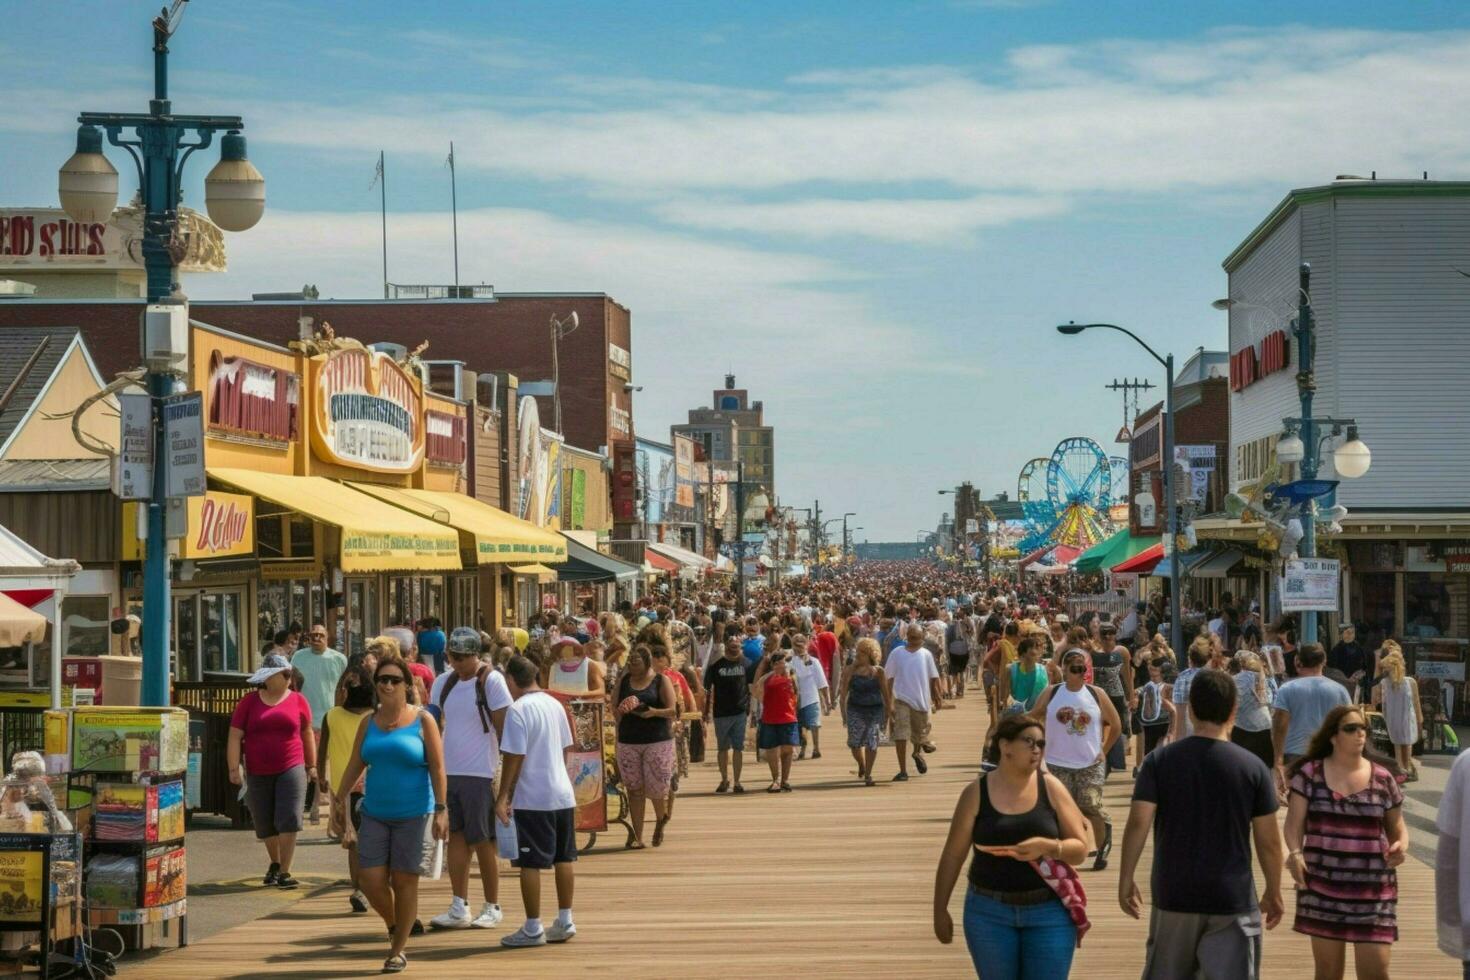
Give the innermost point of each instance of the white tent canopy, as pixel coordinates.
(23, 568)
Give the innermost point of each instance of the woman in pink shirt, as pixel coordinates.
(273, 724)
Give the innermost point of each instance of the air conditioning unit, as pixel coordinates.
(165, 336)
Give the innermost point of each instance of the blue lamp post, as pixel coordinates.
(235, 198)
(1176, 626)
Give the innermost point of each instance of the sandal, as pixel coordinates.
(739, 788)
(636, 845)
(395, 964)
(785, 787)
(658, 831)
(773, 788)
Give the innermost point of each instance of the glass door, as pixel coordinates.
(207, 633)
(186, 636)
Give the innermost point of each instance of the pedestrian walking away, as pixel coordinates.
(339, 735)
(1206, 801)
(912, 679)
(536, 793)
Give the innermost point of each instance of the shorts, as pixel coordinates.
(471, 799)
(864, 724)
(810, 715)
(405, 845)
(1153, 735)
(988, 676)
(1125, 717)
(276, 801)
(546, 837)
(646, 768)
(354, 810)
(958, 664)
(1085, 786)
(775, 736)
(1185, 944)
(730, 732)
(909, 723)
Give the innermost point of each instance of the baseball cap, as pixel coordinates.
(463, 641)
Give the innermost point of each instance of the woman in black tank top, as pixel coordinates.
(1008, 818)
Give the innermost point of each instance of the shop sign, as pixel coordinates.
(1311, 584)
(619, 362)
(361, 548)
(290, 568)
(444, 439)
(1252, 363)
(46, 239)
(684, 471)
(1440, 670)
(1456, 557)
(368, 413)
(217, 525)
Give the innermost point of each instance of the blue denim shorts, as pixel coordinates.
(810, 715)
(775, 736)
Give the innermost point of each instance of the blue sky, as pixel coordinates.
(872, 212)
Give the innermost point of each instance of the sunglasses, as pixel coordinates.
(391, 680)
(318, 636)
(1032, 742)
(1077, 670)
(1352, 728)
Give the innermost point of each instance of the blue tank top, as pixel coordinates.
(398, 784)
(864, 692)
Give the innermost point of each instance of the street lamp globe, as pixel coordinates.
(1290, 449)
(87, 183)
(234, 191)
(1352, 458)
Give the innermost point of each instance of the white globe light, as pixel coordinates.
(87, 183)
(234, 191)
(1352, 459)
(1290, 449)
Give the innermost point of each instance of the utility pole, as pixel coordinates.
(816, 531)
(740, 533)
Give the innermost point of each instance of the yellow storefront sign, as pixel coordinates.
(220, 525)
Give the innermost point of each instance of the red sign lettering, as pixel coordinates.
(1250, 364)
(221, 527)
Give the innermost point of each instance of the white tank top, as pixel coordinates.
(1073, 729)
(572, 681)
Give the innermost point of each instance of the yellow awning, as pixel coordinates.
(19, 624)
(542, 574)
(499, 537)
(376, 537)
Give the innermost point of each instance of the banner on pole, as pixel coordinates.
(1311, 585)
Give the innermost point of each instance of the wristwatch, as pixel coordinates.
(439, 808)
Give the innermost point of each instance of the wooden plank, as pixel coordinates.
(834, 879)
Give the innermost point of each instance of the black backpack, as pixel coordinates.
(481, 705)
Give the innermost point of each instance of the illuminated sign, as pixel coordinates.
(368, 412)
(1251, 364)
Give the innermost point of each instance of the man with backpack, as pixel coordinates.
(472, 699)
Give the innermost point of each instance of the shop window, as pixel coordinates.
(84, 625)
(219, 640)
(273, 602)
(1434, 605)
(303, 538)
(269, 539)
(1374, 615)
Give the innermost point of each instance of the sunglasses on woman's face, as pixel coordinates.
(1032, 742)
(390, 679)
(1352, 728)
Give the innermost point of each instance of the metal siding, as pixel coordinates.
(1401, 319)
(81, 526)
(1264, 287)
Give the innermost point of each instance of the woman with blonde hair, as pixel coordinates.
(866, 704)
(387, 647)
(1256, 691)
(1398, 696)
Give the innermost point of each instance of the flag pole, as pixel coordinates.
(383, 185)
(454, 211)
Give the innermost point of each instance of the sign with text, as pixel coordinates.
(132, 470)
(45, 239)
(1250, 364)
(368, 413)
(1439, 670)
(183, 433)
(683, 471)
(1311, 584)
(216, 525)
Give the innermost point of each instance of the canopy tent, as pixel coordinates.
(1107, 554)
(685, 557)
(1219, 564)
(1186, 563)
(499, 537)
(18, 624)
(29, 579)
(376, 536)
(1141, 563)
(659, 563)
(586, 564)
(1037, 568)
(543, 574)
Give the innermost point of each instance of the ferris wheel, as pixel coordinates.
(1065, 496)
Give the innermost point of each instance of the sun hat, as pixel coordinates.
(271, 665)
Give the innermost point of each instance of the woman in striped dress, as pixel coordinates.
(1346, 831)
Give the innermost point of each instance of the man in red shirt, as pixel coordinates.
(825, 647)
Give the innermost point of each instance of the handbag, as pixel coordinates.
(696, 741)
(1062, 878)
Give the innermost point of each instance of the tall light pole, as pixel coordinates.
(234, 195)
(1171, 527)
(846, 548)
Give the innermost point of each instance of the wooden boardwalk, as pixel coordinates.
(832, 880)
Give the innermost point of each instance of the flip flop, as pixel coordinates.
(395, 964)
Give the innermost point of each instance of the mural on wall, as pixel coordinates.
(539, 493)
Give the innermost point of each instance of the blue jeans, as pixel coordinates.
(1019, 942)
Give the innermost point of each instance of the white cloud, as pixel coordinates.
(939, 221)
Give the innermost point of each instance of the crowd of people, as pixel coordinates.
(427, 737)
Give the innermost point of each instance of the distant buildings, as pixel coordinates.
(734, 430)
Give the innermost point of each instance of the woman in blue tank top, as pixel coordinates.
(403, 810)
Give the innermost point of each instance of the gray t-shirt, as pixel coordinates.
(1307, 700)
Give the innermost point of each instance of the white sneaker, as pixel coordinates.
(522, 938)
(558, 933)
(490, 915)
(452, 920)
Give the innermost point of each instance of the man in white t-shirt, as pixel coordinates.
(472, 699)
(912, 677)
(813, 695)
(537, 793)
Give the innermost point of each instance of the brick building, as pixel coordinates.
(510, 333)
(735, 429)
(1201, 425)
